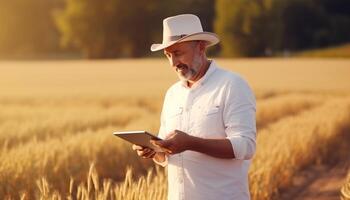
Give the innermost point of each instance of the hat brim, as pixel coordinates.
(211, 38)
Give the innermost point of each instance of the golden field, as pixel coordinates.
(345, 190)
(57, 119)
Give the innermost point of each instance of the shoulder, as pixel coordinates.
(173, 88)
(235, 85)
(230, 78)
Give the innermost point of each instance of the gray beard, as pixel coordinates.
(190, 74)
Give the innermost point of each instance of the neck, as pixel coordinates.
(204, 68)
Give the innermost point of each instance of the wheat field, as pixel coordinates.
(345, 190)
(57, 119)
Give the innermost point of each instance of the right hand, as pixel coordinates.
(144, 152)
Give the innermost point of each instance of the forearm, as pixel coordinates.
(219, 148)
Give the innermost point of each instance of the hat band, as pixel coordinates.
(176, 37)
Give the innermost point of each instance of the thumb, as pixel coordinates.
(160, 143)
(136, 147)
(163, 144)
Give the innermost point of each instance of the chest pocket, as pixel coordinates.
(213, 110)
(207, 120)
(173, 120)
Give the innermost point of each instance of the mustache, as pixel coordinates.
(181, 66)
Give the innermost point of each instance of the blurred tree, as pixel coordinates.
(315, 23)
(337, 15)
(116, 28)
(245, 27)
(109, 28)
(204, 9)
(303, 21)
(102, 29)
(27, 27)
(261, 27)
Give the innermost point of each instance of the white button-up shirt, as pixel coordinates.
(220, 105)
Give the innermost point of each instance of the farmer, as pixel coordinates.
(207, 121)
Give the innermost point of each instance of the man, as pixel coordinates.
(207, 121)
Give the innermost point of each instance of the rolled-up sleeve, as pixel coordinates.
(239, 119)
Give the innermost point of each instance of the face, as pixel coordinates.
(186, 58)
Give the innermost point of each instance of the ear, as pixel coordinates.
(202, 46)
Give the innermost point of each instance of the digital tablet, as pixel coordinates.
(141, 138)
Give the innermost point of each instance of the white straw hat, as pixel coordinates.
(181, 28)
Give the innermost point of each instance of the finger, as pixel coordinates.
(155, 142)
(153, 154)
(139, 152)
(168, 151)
(148, 154)
(165, 150)
(143, 151)
(137, 147)
(147, 150)
(152, 141)
(162, 143)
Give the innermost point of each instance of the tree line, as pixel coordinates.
(117, 28)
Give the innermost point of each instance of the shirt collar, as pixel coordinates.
(202, 81)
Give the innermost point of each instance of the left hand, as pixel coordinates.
(176, 142)
(144, 152)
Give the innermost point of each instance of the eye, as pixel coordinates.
(178, 54)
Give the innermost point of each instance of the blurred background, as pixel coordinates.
(69, 77)
(74, 29)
